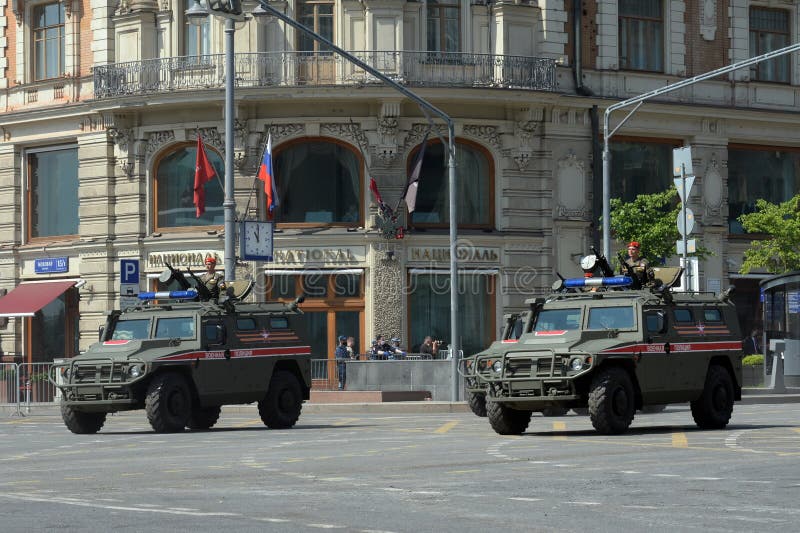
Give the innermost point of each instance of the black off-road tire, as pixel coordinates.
(477, 403)
(280, 408)
(204, 417)
(507, 421)
(82, 423)
(713, 409)
(653, 409)
(554, 411)
(612, 403)
(168, 403)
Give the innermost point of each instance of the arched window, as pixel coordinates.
(474, 179)
(319, 182)
(174, 189)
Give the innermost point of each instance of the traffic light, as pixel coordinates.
(232, 7)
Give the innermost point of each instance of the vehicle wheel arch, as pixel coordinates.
(628, 366)
(725, 362)
(291, 366)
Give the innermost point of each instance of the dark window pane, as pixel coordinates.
(641, 35)
(712, 315)
(175, 190)
(347, 285)
(53, 193)
(474, 187)
(429, 310)
(315, 285)
(245, 324)
(769, 30)
(640, 168)
(281, 286)
(318, 182)
(769, 174)
(347, 325)
(48, 38)
(278, 323)
(683, 316)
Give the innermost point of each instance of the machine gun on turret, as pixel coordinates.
(174, 275)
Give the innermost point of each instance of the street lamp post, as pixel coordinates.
(197, 14)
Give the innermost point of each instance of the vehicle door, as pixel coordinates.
(214, 371)
(655, 369)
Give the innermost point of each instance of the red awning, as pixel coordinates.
(28, 298)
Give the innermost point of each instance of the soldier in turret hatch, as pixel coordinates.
(213, 280)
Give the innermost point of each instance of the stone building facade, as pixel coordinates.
(104, 101)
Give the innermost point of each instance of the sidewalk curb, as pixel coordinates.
(392, 408)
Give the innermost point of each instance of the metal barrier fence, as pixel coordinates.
(326, 373)
(26, 384)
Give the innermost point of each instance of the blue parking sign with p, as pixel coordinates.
(129, 271)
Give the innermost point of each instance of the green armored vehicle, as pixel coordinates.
(181, 360)
(615, 344)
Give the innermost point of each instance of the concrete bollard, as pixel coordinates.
(777, 347)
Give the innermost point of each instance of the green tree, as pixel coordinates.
(650, 220)
(781, 252)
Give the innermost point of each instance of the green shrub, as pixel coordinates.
(753, 360)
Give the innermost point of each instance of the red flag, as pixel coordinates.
(374, 188)
(203, 172)
(413, 180)
(267, 175)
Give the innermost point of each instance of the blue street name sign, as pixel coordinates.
(51, 265)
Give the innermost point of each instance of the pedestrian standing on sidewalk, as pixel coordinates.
(342, 355)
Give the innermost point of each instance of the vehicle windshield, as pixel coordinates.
(181, 327)
(611, 318)
(558, 319)
(131, 330)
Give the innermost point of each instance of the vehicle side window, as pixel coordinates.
(175, 328)
(245, 324)
(279, 323)
(214, 332)
(683, 316)
(610, 318)
(712, 315)
(656, 322)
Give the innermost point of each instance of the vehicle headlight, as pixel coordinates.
(497, 366)
(135, 371)
(576, 364)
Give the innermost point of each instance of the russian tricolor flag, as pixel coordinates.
(266, 174)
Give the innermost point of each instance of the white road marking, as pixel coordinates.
(31, 498)
(325, 526)
(521, 499)
(584, 503)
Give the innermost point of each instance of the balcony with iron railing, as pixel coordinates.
(303, 69)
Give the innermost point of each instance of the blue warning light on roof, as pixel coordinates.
(189, 294)
(613, 281)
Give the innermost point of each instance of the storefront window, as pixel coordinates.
(319, 182)
(429, 309)
(54, 329)
(640, 168)
(759, 172)
(174, 189)
(53, 193)
(474, 179)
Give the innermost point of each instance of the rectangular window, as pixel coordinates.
(683, 316)
(444, 26)
(641, 35)
(640, 168)
(712, 315)
(196, 40)
(769, 30)
(245, 324)
(48, 41)
(611, 318)
(316, 15)
(429, 309)
(759, 172)
(53, 193)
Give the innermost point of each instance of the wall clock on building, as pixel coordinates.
(256, 240)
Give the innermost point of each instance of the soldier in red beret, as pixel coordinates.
(636, 261)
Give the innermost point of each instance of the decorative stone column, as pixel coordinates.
(387, 290)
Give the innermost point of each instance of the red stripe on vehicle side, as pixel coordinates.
(678, 347)
(552, 332)
(239, 353)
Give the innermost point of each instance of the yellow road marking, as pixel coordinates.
(796, 430)
(132, 474)
(444, 428)
(345, 421)
(559, 426)
(249, 423)
(679, 440)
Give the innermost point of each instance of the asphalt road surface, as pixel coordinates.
(404, 472)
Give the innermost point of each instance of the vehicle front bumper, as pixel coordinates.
(101, 384)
